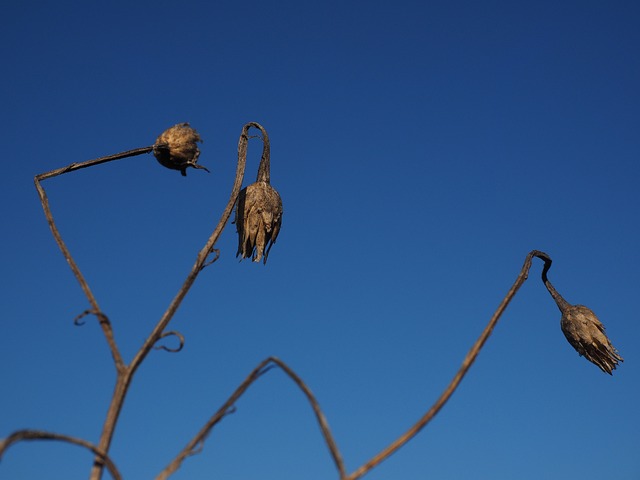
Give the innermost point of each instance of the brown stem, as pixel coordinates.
(453, 385)
(202, 255)
(264, 169)
(196, 443)
(562, 304)
(105, 324)
(322, 421)
(124, 380)
(91, 163)
(25, 435)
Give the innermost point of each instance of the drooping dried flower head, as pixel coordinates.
(177, 148)
(582, 329)
(258, 219)
(586, 334)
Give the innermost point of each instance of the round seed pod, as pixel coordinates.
(177, 148)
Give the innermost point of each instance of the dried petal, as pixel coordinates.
(258, 219)
(177, 148)
(586, 334)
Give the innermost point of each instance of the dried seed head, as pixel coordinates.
(258, 220)
(586, 334)
(177, 148)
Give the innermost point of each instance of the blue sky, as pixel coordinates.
(421, 150)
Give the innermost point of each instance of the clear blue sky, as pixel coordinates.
(421, 150)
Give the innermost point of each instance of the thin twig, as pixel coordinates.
(322, 421)
(24, 435)
(91, 163)
(197, 442)
(453, 385)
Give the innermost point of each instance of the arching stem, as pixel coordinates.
(464, 368)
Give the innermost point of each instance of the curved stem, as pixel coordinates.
(264, 169)
(23, 435)
(453, 385)
(322, 421)
(195, 445)
(562, 304)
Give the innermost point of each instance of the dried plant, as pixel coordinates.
(177, 148)
(258, 212)
(584, 331)
(258, 220)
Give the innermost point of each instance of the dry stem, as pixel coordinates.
(25, 435)
(105, 324)
(125, 372)
(464, 368)
(196, 444)
(123, 380)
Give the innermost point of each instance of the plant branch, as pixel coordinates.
(322, 421)
(25, 435)
(466, 365)
(202, 255)
(195, 445)
(105, 324)
(122, 385)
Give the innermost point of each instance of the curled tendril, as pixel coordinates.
(199, 446)
(78, 322)
(169, 334)
(215, 258)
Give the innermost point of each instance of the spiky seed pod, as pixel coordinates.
(258, 219)
(177, 148)
(586, 334)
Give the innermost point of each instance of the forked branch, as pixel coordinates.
(123, 382)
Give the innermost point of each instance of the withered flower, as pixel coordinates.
(258, 219)
(583, 330)
(586, 334)
(259, 206)
(177, 148)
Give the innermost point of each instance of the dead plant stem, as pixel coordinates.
(125, 378)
